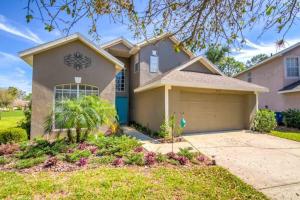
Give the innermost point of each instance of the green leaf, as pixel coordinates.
(269, 10)
(177, 48)
(49, 27)
(29, 18)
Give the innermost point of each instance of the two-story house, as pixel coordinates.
(281, 75)
(147, 82)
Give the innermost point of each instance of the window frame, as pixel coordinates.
(77, 96)
(286, 67)
(124, 77)
(157, 69)
(136, 65)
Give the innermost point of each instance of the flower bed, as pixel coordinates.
(98, 150)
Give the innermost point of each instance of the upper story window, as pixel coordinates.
(154, 62)
(136, 64)
(249, 77)
(120, 81)
(292, 67)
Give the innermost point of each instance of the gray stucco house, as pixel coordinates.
(147, 82)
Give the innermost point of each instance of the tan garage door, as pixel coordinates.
(212, 112)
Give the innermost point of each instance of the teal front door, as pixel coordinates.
(122, 109)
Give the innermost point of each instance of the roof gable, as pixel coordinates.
(156, 39)
(202, 62)
(119, 42)
(28, 54)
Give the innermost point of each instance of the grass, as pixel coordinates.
(287, 135)
(127, 183)
(10, 119)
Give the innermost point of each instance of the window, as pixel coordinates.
(154, 65)
(72, 91)
(292, 67)
(120, 81)
(154, 53)
(249, 77)
(136, 63)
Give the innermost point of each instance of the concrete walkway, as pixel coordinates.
(270, 164)
(155, 146)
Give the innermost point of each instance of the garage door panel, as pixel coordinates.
(212, 112)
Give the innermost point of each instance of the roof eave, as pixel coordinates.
(28, 54)
(192, 85)
(288, 91)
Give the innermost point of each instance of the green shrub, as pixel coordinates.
(186, 153)
(27, 163)
(117, 146)
(77, 154)
(264, 121)
(103, 160)
(3, 160)
(12, 135)
(135, 159)
(291, 118)
(161, 158)
(164, 130)
(45, 147)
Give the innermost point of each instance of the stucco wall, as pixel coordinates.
(149, 108)
(272, 75)
(49, 70)
(168, 59)
(212, 110)
(198, 67)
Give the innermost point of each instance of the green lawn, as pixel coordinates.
(11, 118)
(287, 135)
(127, 183)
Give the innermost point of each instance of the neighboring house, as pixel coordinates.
(281, 75)
(147, 82)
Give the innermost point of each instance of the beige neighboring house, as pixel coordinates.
(147, 82)
(281, 75)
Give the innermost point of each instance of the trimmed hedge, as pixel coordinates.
(12, 135)
(264, 121)
(291, 118)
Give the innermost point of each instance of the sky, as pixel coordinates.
(16, 35)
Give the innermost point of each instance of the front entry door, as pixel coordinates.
(122, 109)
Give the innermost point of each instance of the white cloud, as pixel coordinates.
(8, 60)
(251, 49)
(10, 80)
(21, 32)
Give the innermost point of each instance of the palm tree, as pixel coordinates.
(215, 53)
(84, 114)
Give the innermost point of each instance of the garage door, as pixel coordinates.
(212, 112)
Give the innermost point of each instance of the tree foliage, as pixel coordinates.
(256, 59)
(230, 66)
(216, 53)
(84, 115)
(196, 23)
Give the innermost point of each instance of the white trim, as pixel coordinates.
(27, 55)
(117, 41)
(192, 85)
(204, 61)
(288, 91)
(285, 67)
(256, 101)
(167, 88)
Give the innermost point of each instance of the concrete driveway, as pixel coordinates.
(270, 164)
